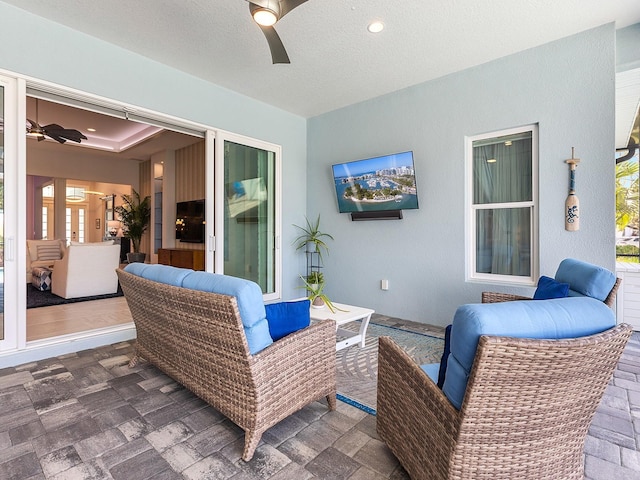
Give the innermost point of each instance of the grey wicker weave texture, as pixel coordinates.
(197, 338)
(495, 297)
(525, 415)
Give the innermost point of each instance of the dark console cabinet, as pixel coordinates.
(180, 257)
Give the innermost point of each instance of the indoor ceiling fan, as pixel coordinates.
(266, 13)
(53, 131)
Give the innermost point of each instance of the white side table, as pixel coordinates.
(350, 314)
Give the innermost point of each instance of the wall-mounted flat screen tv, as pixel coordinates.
(376, 184)
(190, 221)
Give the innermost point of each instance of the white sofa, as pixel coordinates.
(43, 253)
(86, 269)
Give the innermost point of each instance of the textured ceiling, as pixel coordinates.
(334, 60)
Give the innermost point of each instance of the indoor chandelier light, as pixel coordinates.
(75, 194)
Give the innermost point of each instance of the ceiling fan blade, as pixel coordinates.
(54, 137)
(278, 53)
(287, 5)
(73, 135)
(59, 134)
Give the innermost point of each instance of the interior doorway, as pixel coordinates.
(91, 176)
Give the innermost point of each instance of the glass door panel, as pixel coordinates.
(249, 214)
(75, 223)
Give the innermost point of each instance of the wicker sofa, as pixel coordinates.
(200, 338)
(525, 378)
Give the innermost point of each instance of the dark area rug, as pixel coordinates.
(37, 298)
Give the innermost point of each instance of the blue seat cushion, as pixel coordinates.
(569, 317)
(287, 317)
(549, 288)
(431, 369)
(585, 278)
(250, 303)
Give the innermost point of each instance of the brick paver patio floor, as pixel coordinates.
(88, 416)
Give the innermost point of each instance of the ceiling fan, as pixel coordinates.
(53, 131)
(266, 13)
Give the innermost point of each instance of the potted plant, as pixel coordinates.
(315, 278)
(315, 295)
(312, 238)
(135, 215)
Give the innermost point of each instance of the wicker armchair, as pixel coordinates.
(197, 338)
(495, 297)
(610, 300)
(525, 415)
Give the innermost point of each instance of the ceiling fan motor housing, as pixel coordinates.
(266, 6)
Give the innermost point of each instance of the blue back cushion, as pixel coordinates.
(569, 317)
(585, 279)
(247, 293)
(287, 317)
(548, 288)
(136, 268)
(159, 273)
(250, 303)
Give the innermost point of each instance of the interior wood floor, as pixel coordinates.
(46, 322)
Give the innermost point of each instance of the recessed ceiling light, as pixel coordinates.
(375, 27)
(491, 160)
(91, 129)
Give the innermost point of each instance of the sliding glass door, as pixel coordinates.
(249, 208)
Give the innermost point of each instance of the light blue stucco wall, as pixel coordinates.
(567, 87)
(628, 48)
(72, 59)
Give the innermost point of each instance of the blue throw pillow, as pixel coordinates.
(287, 317)
(445, 355)
(548, 288)
(239, 189)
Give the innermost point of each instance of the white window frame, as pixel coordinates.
(470, 212)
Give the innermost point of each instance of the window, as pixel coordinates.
(501, 214)
(45, 223)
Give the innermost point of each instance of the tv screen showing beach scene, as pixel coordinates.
(376, 184)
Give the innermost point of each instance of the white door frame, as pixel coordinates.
(15, 93)
(14, 214)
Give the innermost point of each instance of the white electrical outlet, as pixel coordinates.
(384, 284)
